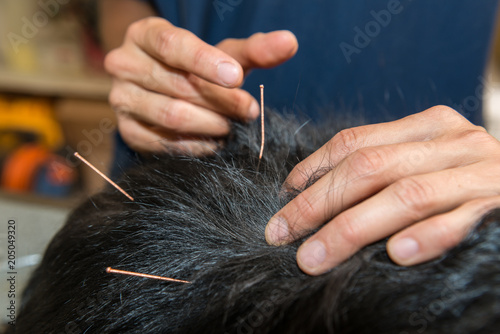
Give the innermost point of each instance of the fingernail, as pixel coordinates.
(228, 73)
(312, 254)
(405, 248)
(277, 231)
(254, 110)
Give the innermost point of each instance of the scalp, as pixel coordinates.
(203, 220)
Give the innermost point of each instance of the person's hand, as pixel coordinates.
(173, 92)
(426, 179)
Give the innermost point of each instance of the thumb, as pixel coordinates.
(261, 50)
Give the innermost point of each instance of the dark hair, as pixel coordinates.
(203, 220)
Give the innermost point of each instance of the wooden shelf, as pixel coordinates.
(89, 85)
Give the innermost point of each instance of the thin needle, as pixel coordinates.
(262, 120)
(110, 270)
(104, 176)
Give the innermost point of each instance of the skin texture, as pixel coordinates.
(203, 219)
(172, 92)
(409, 178)
(425, 179)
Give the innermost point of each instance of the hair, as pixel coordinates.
(203, 220)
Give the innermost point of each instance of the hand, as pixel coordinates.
(173, 92)
(425, 179)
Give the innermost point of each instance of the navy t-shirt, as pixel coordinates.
(383, 59)
(380, 59)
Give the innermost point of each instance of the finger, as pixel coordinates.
(261, 50)
(170, 114)
(144, 138)
(432, 237)
(364, 173)
(423, 126)
(403, 203)
(235, 103)
(155, 76)
(181, 49)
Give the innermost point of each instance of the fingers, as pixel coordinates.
(372, 191)
(363, 174)
(159, 78)
(145, 138)
(180, 128)
(165, 112)
(423, 126)
(403, 203)
(182, 50)
(131, 63)
(430, 238)
(198, 81)
(261, 50)
(360, 175)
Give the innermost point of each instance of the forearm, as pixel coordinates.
(115, 16)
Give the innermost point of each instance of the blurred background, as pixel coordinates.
(53, 101)
(53, 93)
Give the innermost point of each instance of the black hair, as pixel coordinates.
(203, 220)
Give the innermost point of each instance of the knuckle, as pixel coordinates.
(114, 97)
(305, 174)
(165, 42)
(117, 101)
(346, 141)
(482, 206)
(443, 111)
(240, 103)
(478, 137)
(148, 22)
(367, 161)
(298, 178)
(112, 61)
(447, 236)
(137, 26)
(173, 115)
(152, 76)
(257, 35)
(132, 29)
(120, 62)
(122, 113)
(446, 114)
(348, 232)
(414, 194)
(480, 128)
(185, 85)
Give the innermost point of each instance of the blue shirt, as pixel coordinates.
(383, 59)
(379, 59)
